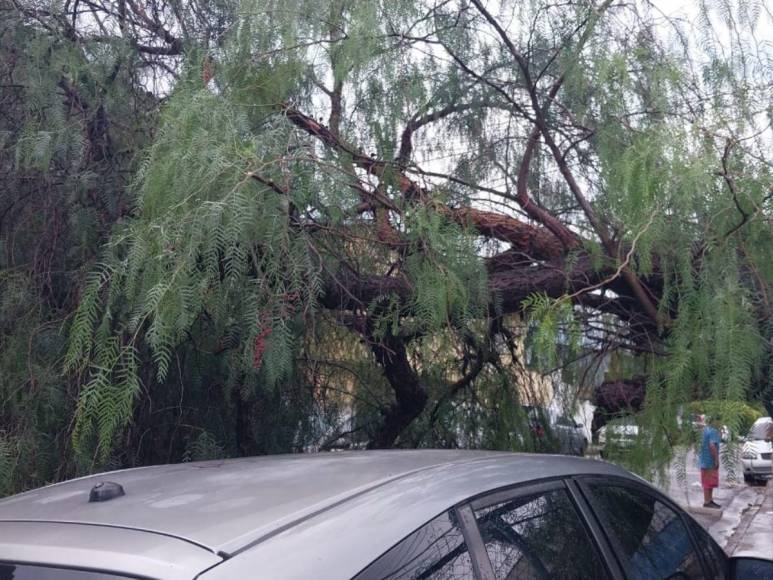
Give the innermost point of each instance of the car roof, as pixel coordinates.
(227, 506)
(759, 430)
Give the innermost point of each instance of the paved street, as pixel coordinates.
(740, 527)
(755, 537)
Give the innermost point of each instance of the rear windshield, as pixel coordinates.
(9, 571)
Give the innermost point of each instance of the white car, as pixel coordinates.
(618, 434)
(756, 451)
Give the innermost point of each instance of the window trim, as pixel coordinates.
(482, 568)
(451, 511)
(585, 482)
(597, 534)
(504, 494)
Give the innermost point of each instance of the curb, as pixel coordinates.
(746, 541)
(704, 511)
(768, 501)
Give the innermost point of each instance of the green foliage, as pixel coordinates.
(449, 281)
(166, 231)
(64, 169)
(203, 447)
(554, 334)
(743, 414)
(8, 459)
(487, 415)
(714, 352)
(208, 240)
(106, 402)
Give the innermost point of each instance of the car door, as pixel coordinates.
(651, 537)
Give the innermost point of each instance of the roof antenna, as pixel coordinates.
(106, 490)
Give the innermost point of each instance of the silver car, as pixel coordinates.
(363, 515)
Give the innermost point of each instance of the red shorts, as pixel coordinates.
(709, 478)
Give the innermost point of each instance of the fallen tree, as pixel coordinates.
(361, 202)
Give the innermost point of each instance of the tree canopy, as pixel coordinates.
(250, 227)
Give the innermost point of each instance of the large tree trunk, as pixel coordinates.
(410, 395)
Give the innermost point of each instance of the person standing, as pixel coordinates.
(709, 459)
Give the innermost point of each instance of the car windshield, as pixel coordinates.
(762, 429)
(11, 571)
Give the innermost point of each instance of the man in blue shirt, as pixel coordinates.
(709, 459)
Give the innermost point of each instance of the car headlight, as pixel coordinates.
(750, 455)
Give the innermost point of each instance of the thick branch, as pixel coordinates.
(373, 166)
(568, 238)
(526, 239)
(417, 122)
(348, 290)
(541, 124)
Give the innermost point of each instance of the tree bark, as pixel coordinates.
(410, 395)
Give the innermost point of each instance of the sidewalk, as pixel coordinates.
(757, 537)
(744, 525)
(739, 501)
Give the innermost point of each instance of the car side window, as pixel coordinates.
(717, 562)
(538, 536)
(650, 537)
(435, 551)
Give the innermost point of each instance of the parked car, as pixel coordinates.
(571, 435)
(363, 515)
(568, 435)
(757, 451)
(617, 435)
